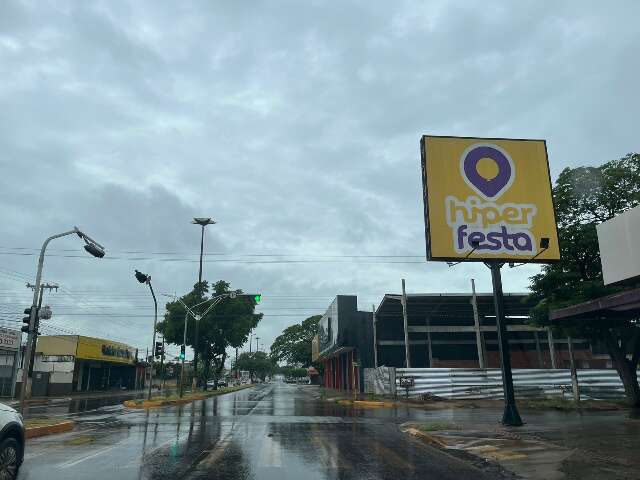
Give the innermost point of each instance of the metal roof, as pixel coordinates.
(621, 305)
(452, 304)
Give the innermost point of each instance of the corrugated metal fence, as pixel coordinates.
(475, 383)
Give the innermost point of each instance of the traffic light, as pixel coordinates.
(181, 352)
(159, 349)
(26, 320)
(257, 298)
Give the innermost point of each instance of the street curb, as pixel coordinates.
(426, 437)
(364, 403)
(146, 404)
(41, 431)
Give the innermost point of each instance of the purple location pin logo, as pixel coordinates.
(488, 188)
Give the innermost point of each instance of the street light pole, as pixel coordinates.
(203, 222)
(142, 278)
(91, 246)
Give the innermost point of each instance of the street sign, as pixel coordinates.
(618, 252)
(9, 338)
(488, 200)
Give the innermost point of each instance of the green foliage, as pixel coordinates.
(228, 324)
(294, 344)
(258, 363)
(290, 371)
(584, 197)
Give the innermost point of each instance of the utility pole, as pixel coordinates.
(407, 355)
(50, 287)
(375, 338)
(250, 341)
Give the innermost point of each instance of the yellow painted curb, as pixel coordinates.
(178, 401)
(427, 437)
(42, 430)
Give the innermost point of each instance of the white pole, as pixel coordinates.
(476, 319)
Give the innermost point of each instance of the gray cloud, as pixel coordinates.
(295, 125)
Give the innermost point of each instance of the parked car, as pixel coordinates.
(11, 442)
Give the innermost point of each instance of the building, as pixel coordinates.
(9, 360)
(74, 363)
(344, 344)
(442, 333)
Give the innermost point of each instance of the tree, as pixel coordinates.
(294, 344)
(258, 363)
(228, 324)
(293, 372)
(585, 196)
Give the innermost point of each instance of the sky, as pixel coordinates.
(295, 125)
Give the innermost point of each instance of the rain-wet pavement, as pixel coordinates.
(272, 431)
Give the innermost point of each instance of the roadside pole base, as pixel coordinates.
(511, 416)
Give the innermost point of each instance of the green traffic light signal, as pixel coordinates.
(257, 298)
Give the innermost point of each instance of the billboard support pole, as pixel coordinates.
(511, 416)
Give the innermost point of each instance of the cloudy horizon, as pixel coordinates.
(295, 125)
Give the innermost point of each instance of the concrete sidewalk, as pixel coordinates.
(552, 445)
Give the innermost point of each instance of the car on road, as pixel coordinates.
(11, 442)
(221, 383)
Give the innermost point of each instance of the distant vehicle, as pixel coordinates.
(221, 383)
(11, 442)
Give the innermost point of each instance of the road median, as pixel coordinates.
(39, 427)
(158, 402)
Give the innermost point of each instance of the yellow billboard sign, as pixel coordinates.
(488, 199)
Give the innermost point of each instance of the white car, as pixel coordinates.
(11, 442)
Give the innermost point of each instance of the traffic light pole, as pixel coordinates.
(155, 322)
(511, 416)
(184, 347)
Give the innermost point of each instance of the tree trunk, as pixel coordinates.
(207, 365)
(626, 370)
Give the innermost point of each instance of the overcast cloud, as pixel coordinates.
(294, 124)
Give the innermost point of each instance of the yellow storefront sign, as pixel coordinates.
(105, 350)
(488, 199)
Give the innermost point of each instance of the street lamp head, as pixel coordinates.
(94, 250)
(141, 277)
(203, 221)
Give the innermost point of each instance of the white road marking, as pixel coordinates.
(73, 463)
(271, 454)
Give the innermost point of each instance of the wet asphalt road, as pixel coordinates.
(272, 431)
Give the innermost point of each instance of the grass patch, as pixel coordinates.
(558, 403)
(436, 426)
(41, 422)
(190, 396)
